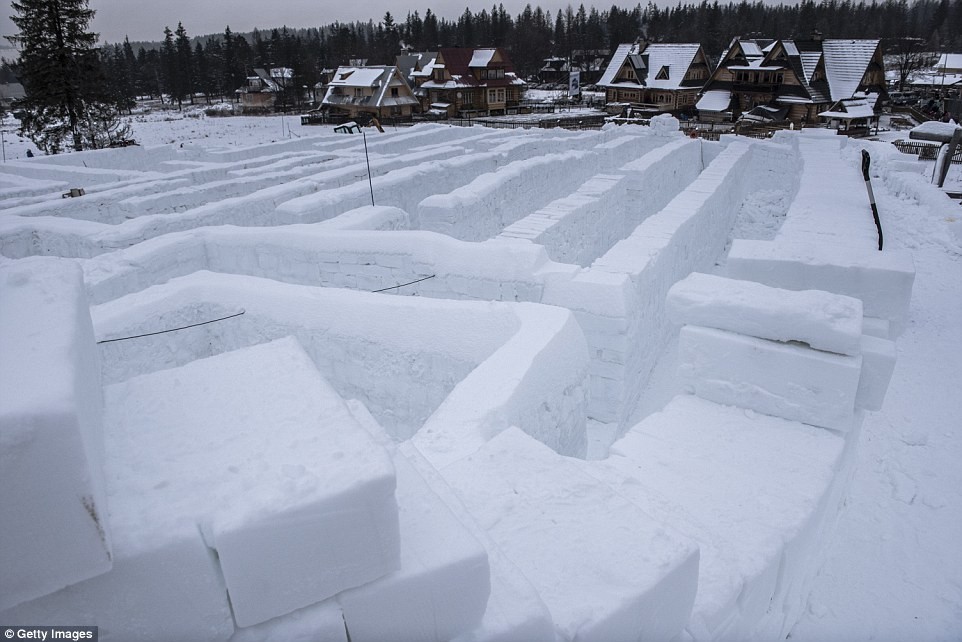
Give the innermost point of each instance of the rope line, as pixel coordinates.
(192, 325)
(401, 285)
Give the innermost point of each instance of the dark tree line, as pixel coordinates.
(214, 66)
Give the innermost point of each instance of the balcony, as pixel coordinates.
(755, 88)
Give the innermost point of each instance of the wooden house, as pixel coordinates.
(377, 90)
(264, 89)
(470, 82)
(800, 78)
(655, 78)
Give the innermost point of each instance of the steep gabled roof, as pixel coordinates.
(658, 65)
(675, 58)
(846, 62)
(379, 79)
(457, 62)
(617, 60)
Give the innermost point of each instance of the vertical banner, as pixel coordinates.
(574, 84)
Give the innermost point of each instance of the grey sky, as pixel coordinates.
(145, 19)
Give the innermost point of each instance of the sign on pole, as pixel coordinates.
(574, 83)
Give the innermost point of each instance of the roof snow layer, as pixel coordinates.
(845, 64)
(481, 57)
(677, 57)
(616, 61)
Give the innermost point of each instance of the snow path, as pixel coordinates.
(894, 569)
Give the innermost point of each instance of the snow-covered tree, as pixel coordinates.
(61, 74)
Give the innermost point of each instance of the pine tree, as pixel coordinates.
(61, 73)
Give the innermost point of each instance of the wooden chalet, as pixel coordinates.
(263, 90)
(655, 78)
(470, 82)
(376, 90)
(797, 78)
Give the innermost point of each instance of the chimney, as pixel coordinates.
(817, 35)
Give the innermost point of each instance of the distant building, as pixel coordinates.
(793, 79)
(470, 82)
(9, 92)
(417, 68)
(654, 78)
(854, 116)
(377, 90)
(946, 74)
(264, 90)
(590, 63)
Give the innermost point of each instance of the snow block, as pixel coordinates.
(54, 530)
(515, 612)
(321, 622)
(442, 587)
(299, 499)
(823, 320)
(747, 487)
(780, 379)
(882, 280)
(878, 364)
(537, 380)
(164, 586)
(605, 569)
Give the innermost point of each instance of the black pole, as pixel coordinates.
(369, 181)
(866, 161)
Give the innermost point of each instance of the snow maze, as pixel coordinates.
(422, 420)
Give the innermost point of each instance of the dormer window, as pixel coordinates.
(662, 73)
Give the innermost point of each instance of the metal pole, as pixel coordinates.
(370, 182)
(3, 144)
(866, 161)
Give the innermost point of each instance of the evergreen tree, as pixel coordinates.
(184, 65)
(61, 72)
(168, 62)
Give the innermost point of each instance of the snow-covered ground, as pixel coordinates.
(758, 501)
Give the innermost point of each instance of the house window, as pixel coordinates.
(358, 92)
(439, 75)
(394, 93)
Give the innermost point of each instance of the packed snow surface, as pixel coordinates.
(318, 412)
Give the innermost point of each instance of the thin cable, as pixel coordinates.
(193, 325)
(401, 285)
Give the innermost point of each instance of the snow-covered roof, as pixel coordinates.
(672, 59)
(282, 72)
(809, 63)
(358, 76)
(481, 57)
(845, 64)
(715, 100)
(621, 53)
(949, 62)
(378, 79)
(794, 100)
(751, 49)
(676, 57)
(755, 65)
(862, 107)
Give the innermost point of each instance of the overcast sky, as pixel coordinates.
(145, 19)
